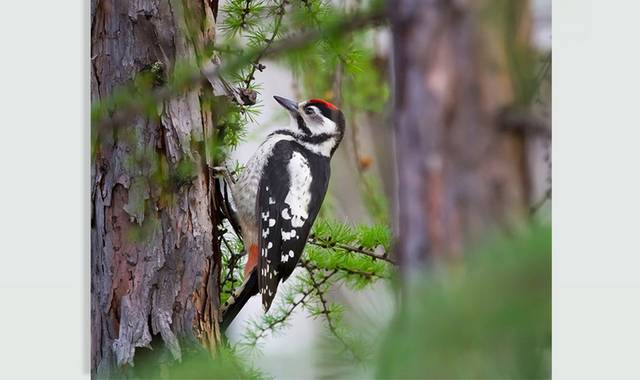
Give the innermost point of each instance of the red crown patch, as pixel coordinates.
(329, 105)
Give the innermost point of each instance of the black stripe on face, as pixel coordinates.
(315, 139)
(302, 126)
(324, 110)
(332, 114)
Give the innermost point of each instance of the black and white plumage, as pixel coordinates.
(289, 198)
(279, 195)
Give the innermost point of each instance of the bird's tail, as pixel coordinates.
(238, 299)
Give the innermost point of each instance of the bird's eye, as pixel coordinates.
(308, 110)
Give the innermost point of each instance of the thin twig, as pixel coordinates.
(233, 260)
(327, 313)
(350, 248)
(536, 206)
(276, 29)
(245, 13)
(263, 329)
(369, 275)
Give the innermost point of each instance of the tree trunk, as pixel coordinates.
(155, 257)
(458, 172)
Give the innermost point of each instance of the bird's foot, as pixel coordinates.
(220, 171)
(223, 172)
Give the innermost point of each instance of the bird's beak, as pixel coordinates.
(289, 105)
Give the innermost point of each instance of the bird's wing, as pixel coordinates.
(287, 205)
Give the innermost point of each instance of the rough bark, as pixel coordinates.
(458, 172)
(155, 258)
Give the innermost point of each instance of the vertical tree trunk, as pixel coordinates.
(458, 172)
(155, 258)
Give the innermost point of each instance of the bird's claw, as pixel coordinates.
(220, 171)
(223, 172)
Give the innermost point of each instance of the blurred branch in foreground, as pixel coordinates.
(490, 318)
(117, 110)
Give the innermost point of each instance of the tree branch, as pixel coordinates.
(327, 312)
(369, 275)
(276, 29)
(105, 114)
(536, 206)
(231, 266)
(269, 326)
(350, 248)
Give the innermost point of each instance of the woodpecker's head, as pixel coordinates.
(316, 119)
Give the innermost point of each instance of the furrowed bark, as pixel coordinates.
(458, 173)
(155, 255)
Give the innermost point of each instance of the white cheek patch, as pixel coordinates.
(319, 124)
(329, 126)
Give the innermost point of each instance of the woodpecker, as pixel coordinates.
(278, 195)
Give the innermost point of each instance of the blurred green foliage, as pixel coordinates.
(527, 67)
(489, 319)
(374, 198)
(196, 363)
(348, 60)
